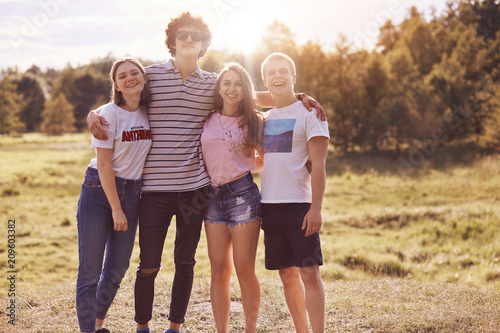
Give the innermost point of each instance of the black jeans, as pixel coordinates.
(155, 213)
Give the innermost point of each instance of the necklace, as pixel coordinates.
(220, 122)
(232, 138)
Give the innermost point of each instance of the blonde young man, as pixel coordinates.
(291, 197)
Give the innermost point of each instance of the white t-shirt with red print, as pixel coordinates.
(130, 138)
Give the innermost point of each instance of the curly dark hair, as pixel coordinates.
(186, 19)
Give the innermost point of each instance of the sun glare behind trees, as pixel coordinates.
(426, 82)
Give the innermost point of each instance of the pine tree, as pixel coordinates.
(32, 101)
(58, 117)
(9, 108)
(400, 102)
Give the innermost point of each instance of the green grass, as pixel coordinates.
(440, 224)
(403, 253)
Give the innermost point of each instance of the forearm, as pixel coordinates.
(107, 177)
(318, 148)
(259, 164)
(96, 123)
(93, 115)
(318, 184)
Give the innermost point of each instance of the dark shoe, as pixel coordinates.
(102, 330)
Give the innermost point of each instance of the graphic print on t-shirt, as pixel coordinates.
(278, 135)
(136, 133)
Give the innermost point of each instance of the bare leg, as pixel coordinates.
(220, 255)
(295, 298)
(99, 322)
(245, 241)
(315, 297)
(175, 326)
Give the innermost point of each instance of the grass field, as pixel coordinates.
(415, 252)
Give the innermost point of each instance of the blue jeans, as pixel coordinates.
(96, 286)
(156, 212)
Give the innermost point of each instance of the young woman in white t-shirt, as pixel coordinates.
(233, 218)
(108, 206)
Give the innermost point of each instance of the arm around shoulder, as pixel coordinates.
(96, 124)
(310, 102)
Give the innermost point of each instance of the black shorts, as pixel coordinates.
(285, 243)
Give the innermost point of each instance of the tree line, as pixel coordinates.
(426, 82)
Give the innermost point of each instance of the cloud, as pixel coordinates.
(78, 29)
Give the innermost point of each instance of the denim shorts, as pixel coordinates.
(234, 203)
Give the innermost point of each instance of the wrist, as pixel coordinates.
(316, 207)
(300, 96)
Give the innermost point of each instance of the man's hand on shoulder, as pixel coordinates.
(310, 102)
(96, 124)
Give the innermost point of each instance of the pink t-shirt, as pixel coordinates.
(225, 154)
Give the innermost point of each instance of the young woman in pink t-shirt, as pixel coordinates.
(233, 218)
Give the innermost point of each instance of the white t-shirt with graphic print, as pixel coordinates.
(130, 138)
(287, 130)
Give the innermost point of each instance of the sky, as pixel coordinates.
(55, 33)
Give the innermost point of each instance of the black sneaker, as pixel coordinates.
(102, 330)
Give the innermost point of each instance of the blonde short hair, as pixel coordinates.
(277, 55)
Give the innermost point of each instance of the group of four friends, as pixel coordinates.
(179, 141)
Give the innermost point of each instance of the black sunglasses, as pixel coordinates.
(195, 35)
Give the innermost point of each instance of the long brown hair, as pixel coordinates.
(250, 120)
(117, 96)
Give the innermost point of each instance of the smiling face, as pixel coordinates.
(187, 47)
(231, 88)
(278, 76)
(129, 80)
